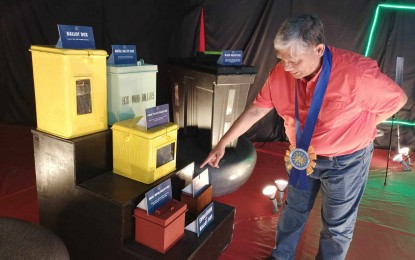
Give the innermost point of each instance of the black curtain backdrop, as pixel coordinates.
(162, 29)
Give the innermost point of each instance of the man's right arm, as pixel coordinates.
(250, 116)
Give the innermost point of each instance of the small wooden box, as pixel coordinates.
(162, 229)
(196, 204)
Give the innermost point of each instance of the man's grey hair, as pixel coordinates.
(300, 31)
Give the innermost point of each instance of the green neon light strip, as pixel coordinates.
(375, 20)
(398, 6)
(369, 42)
(400, 122)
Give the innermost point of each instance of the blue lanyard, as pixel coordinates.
(303, 137)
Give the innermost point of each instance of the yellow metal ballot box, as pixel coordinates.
(70, 90)
(143, 155)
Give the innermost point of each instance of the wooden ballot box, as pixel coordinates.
(162, 229)
(196, 204)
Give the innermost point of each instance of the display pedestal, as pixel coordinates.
(91, 209)
(235, 167)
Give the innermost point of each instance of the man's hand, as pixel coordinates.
(214, 157)
(243, 123)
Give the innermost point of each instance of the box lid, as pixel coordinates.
(53, 49)
(213, 67)
(130, 126)
(165, 214)
(120, 69)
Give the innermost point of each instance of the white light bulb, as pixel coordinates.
(398, 158)
(404, 151)
(269, 191)
(281, 184)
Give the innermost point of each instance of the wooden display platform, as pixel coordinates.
(91, 209)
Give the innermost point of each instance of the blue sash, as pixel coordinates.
(298, 178)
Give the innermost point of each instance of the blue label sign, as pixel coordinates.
(159, 195)
(158, 115)
(231, 58)
(204, 219)
(75, 37)
(123, 55)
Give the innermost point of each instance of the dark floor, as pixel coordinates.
(385, 228)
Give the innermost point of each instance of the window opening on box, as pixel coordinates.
(83, 97)
(231, 99)
(165, 154)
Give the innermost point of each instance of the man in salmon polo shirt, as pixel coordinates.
(331, 101)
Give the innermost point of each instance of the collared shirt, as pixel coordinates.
(356, 93)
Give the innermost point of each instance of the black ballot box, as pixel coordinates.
(207, 97)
